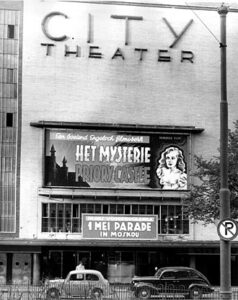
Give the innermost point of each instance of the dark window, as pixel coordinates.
(120, 208)
(15, 90)
(98, 208)
(168, 275)
(135, 209)
(10, 75)
(9, 120)
(90, 208)
(58, 217)
(182, 274)
(113, 209)
(78, 277)
(10, 31)
(149, 209)
(105, 208)
(92, 277)
(142, 209)
(127, 209)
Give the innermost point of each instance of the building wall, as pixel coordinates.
(117, 87)
(3, 267)
(10, 99)
(21, 270)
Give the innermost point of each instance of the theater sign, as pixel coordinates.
(111, 159)
(80, 33)
(139, 227)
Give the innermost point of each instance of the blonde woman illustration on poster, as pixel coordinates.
(171, 170)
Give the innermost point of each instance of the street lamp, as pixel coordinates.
(225, 246)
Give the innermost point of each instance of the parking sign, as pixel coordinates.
(227, 229)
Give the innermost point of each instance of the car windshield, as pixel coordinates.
(199, 275)
(158, 272)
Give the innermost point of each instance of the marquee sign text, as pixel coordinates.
(118, 227)
(95, 51)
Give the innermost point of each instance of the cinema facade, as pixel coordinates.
(105, 104)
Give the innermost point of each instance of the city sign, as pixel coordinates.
(86, 47)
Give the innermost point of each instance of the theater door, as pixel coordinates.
(61, 262)
(121, 266)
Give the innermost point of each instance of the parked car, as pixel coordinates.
(79, 283)
(180, 281)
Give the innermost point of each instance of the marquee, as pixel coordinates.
(114, 159)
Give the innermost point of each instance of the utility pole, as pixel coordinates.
(225, 245)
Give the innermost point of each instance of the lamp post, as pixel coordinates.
(225, 246)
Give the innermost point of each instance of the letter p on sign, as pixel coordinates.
(227, 229)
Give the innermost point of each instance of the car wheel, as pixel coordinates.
(52, 294)
(144, 293)
(97, 293)
(195, 293)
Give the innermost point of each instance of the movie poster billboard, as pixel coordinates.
(110, 159)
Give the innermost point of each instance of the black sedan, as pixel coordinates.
(179, 281)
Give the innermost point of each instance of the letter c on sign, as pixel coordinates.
(44, 26)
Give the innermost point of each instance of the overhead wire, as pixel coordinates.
(204, 24)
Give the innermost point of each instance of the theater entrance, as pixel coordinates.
(121, 266)
(60, 262)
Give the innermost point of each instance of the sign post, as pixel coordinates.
(227, 229)
(225, 247)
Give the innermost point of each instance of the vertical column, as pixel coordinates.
(36, 268)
